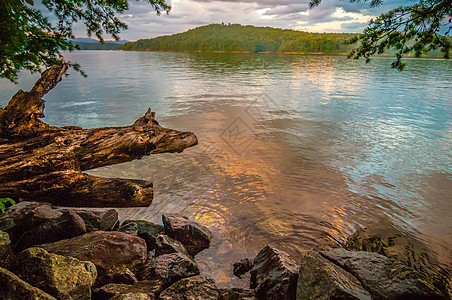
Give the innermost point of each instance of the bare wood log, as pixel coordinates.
(39, 162)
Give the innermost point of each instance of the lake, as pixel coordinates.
(294, 150)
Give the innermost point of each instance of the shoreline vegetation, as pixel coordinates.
(55, 245)
(236, 38)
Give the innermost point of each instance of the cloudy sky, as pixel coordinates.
(330, 16)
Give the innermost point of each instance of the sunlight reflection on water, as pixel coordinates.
(293, 150)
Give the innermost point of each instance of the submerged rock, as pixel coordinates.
(274, 275)
(60, 276)
(383, 277)
(169, 268)
(242, 266)
(412, 252)
(193, 236)
(14, 288)
(320, 279)
(145, 230)
(197, 287)
(111, 251)
(151, 288)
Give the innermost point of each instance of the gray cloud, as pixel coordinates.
(330, 15)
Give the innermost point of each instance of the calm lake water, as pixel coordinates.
(294, 150)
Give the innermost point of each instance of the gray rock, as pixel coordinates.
(197, 287)
(29, 224)
(169, 268)
(105, 219)
(383, 277)
(15, 215)
(241, 267)
(50, 225)
(320, 279)
(166, 245)
(112, 252)
(146, 230)
(60, 276)
(236, 294)
(402, 248)
(152, 288)
(129, 228)
(14, 288)
(274, 275)
(193, 236)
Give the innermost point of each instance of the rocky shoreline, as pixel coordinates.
(50, 252)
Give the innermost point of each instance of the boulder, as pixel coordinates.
(236, 294)
(30, 224)
(147, 270)
(274, 275)
(50, 225)
(4, 243)
(132, 296)
(60, 276)
(130, 228)
(166, 245)
(152, 288)
(197, 287)
(241, 267)
(193, 236)
(146, 230)
(105, 219)
(111, 251)
(15, 215)
(402, 248)
(169, 268)
(383, 277)
(14, 288)
(320, 279)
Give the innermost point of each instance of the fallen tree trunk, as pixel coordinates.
(39, 162)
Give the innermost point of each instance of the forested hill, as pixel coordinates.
(235, 37)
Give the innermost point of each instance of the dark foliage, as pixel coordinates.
(30, 41)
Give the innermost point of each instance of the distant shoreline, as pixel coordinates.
(235, 52)
(269, 52)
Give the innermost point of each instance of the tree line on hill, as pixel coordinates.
(235, 37)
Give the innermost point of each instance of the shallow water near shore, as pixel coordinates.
(294, 150)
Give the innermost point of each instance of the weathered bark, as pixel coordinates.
(39, 162)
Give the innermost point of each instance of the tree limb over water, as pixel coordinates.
(40, 162)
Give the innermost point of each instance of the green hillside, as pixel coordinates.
(235, 37)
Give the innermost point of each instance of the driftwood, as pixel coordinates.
(39, 162)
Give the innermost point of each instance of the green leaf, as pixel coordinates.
(4, 201)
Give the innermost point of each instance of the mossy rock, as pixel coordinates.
(14, 288)
(61, 276)
(4, 242)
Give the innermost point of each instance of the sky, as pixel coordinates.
(329, 16)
